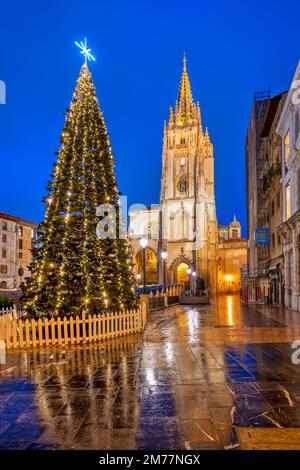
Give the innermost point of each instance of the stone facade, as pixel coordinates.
(273, 198)
(16, 237)
(265, 200)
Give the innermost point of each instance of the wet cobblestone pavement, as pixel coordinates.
(198, 378)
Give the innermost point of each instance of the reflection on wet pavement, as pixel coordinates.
(195, 378)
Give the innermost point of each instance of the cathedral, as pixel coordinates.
(184, 224)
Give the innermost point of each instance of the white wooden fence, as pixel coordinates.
(11, 311)
(17, 332)
(25, 333)
(164, 298)
(169, 292)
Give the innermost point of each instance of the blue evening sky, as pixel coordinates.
(233, 48)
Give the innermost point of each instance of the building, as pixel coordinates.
(16, 237)
(184, 224)
(232, 255)
(264, 202)
(288, 129)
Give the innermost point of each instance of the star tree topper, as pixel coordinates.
(84, 50)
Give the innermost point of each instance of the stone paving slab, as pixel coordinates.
(198, 378)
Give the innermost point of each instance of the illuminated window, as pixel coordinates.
(288, 208)
(286, 147)
(3, 269)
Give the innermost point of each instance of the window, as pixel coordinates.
(288, 208)
(272, 208)
(20, 244)
(3, 285)
(4, 226)
(20, 231)
(286, 148)
(235, 233)
(4, 238)
(3, 253)
(182, 185)
(20, 255)
(3, 269)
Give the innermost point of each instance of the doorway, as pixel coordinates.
(182, 276)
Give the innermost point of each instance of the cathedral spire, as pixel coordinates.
(171, 116)
(206, 135)
(184, 105)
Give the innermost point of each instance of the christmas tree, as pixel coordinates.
(73, 270)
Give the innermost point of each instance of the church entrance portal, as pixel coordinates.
(182, 276)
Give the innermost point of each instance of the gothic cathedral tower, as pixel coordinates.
(187, 199)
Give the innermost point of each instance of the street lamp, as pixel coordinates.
(144, 243)
(164, 256)
(138, 277)
(194, 275)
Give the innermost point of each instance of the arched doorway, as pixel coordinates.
(182, 275)
(151, 266)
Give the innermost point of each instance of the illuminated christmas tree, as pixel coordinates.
(73, 270)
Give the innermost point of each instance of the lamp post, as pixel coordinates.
(138, 277)
(164, 256)
(194, 276)
(189, 273)
(144, 243)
